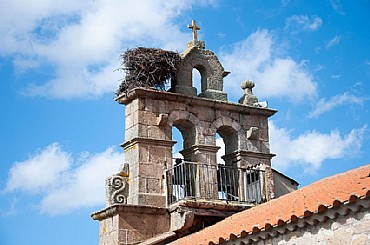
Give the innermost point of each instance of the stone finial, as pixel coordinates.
(248, 98)
(117, 187)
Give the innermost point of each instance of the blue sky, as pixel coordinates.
(60, 127)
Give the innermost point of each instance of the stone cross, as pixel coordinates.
(194, 28)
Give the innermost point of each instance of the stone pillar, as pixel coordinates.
(148, 160)
(204, 154)
(205, 179)
(247, 159)
(148, 150)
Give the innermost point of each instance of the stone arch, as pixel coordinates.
(210, 68)
(203, 78)
(231, 132)
(186, 123)
(230, 138)
(226, 121)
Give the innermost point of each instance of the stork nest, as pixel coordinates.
(147, 67)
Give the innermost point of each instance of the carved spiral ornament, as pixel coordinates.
(118, 185)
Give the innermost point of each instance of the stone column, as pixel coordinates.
(205, 179)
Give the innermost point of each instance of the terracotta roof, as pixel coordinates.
(321, 195)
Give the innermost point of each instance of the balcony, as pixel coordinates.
(196, 181)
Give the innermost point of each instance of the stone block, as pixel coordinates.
(135, 117)
(156, 200)
(263, 134)
(157, 154)
(174, 115)
(143, 153)
(138, 130)
(153, 185)
(133, 186)
(155, 105)
(342, 236)
(203, 114)
(235, 125)
(360, 239)
(162, 106)
(129, 121)
(128, 109)
(151, 170)
(227, 121)
(210, 140)
(361, 227)
(135, 236)
(177, 106)
(263, 122)
(154, 132)
(147, 118)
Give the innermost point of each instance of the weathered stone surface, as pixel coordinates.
(350, 229)
(128, 224)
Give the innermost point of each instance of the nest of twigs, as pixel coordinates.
(147, 67)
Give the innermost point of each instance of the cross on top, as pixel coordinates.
(194, 28)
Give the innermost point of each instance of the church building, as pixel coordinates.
(158, 198)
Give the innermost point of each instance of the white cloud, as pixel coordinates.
(334, 41)
(65, 183)
(303, 22)
(80, 41)
(258, 58)
(324, 105)
(85, 185)
(311, 148)
(39, 171)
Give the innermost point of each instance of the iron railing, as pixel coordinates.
(190, 180)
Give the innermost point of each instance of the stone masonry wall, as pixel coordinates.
(143, 116)
(353, 228)
(150, 116)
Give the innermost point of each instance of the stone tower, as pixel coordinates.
(155, 200)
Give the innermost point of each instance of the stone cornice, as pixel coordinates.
(149, 141)
(241, 153)
(207, 148)
(126, 208)
(191, 100)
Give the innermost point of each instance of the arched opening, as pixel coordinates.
(177, 136)
(181, 177)
(230, 138)
(221, 152)
(227, 173)
(199, 78)
(197, 81)
(187, 130)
